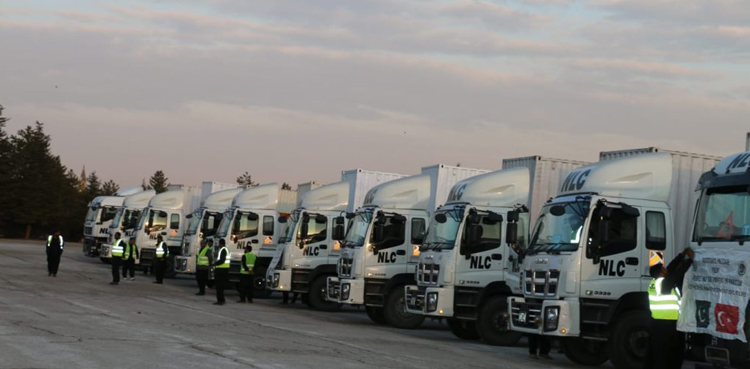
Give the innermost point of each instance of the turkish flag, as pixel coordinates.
(727, 318)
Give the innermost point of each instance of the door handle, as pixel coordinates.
(631, 261)
(497, 256)
(400, 252)
(323, 247)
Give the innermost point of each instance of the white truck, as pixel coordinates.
(380, 251)
(257, 218)
(308, 254)
(720, 232)
(204, 223)
(585, 273)
(128, 215)
(465, 272)
(102, 211)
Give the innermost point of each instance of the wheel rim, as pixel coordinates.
(401, 309)
(637, 344)
(500, 322)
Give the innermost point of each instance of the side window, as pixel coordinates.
(316, 232)
(268, 224)
(656, 231)
(108, 214)
(622, 232)
(488, 234)
(418, 226)
(174, 221)
(245, 227)
(394, 234)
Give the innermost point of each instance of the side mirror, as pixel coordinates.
(474, 218)
(163, 214)
(282, 220)
(512, 216)
(378, 231)
(557, 210)
(320, 219)
(593, 249)
(189, 216)
(252, 216)
(495, 217)
(398, 218)
(338, 232)
(350, 215)
(441, 218)
(511, 233)
(472, 236)
(304, 228)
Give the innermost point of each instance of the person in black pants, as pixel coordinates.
(128, 258)
(247, 265)
(541, 344)
(221, 272)
(55, 246)
(160, 262)
(203, 261)
(117, 251)
(285, 295)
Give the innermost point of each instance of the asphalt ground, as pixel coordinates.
(77, 320)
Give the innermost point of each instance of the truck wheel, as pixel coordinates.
(376, 314)
(259, 283)
(464, 329)
(395, 310)
(585, 352)
(493, 323)
(629, 340)
(317, 296)
(169, 271)
(106, 260)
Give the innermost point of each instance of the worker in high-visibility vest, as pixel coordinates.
(160, 259)
(203, 261)
(221, 272)
(55, 247)
(118, 249)
(129, 256)
(247, 287)
(666, 346)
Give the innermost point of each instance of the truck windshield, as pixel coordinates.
(142, 220)
(562, 232)
(108, 213)
(92, 213)
(355, 237)
(442, 236)
(195, 222)
(290, 228)
(226, 222)
(119, 217)
(723, 215)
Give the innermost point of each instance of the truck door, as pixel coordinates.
(314, 246)
(481, 259)
(245, 230)
(388, 238)
(621, 261)
(655, 238)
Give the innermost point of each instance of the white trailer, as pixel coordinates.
(465, 272)
(585, 273)
(257, 218)
(102, 211)
(204, 223)
(309, 253)
(380, 252)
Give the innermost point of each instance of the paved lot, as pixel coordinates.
(77, 320)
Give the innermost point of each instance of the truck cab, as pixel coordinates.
(101, 213)
(128, 215)
(585, 272)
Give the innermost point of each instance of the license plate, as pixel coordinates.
(413, 301)
(522, 317)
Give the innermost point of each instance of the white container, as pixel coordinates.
(442, 179)
(360, 181)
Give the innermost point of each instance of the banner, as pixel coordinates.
(715, 294)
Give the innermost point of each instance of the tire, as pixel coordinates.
(259, 283)
(629, 340)
(169, 271)
(317, 296)
(395, 310)
(493, 323)
(376, 314)
(464, 329)
(585, 352)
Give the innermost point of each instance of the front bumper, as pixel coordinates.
(91, 247)
(282, 281)
(184, 264)
(539, 317)
(105, 251)
(345, 291)
(430, 301)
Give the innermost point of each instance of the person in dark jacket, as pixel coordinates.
(128, 259)
(221, 272)
(55, 247)
(247, 265)
(160, 260)
(666, 347)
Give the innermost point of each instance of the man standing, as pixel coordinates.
(55, 246)
(128, 258)
(202, 265)
(117, 251)
(247, 287)
(160, 264)
(222, 272)
(666, 345)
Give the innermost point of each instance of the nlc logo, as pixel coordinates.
(575, 181)
(457, 192)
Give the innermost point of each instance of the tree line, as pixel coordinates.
(38, 193)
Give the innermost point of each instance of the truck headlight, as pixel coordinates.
(432, 302)
(551, 318)
(346, 289)
(276, 278)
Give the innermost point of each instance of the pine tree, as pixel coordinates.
(110, 188)
(5, 170)
(159, 182)
(286, 186)
(246, 180)
(93, 186)
(144, 185)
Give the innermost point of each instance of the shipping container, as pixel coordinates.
(209, 187)
(304, 188)
(269, 196)
(442, 179)
(687, 169)
(360, 181)
(547, 174)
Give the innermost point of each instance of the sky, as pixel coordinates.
(298, 90)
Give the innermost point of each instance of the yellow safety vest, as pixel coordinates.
(202, 258)
(49, 241)
(663, 307)
(117, 249)
(250, 261)
(160, 250)
(226, 259)
(128, 246)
